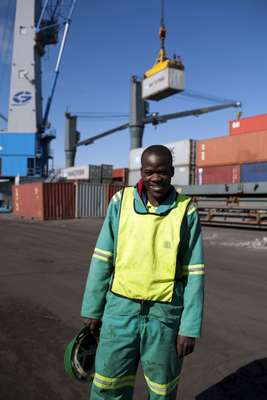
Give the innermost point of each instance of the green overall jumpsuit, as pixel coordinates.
(143, 311)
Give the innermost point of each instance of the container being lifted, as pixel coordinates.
(166, 77)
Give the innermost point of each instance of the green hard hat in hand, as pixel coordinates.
(79, 356)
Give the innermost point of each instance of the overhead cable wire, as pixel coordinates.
(99, 112)
(101, 115)
(204, 96)
(106, 117)
(162, 13)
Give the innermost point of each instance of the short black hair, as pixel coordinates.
(159, 150)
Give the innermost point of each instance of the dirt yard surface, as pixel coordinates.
(43, 270)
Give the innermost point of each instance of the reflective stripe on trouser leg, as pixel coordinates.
(162, 389)
(161, 365)
(116, 359)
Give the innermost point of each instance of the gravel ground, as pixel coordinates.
(43, 271)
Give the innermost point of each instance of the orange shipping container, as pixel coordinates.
(251, 124)
(227, 150)
(120, 175)
(44, 201)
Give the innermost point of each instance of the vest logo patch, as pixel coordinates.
(167, 244)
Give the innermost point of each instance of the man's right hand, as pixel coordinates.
(94, 326)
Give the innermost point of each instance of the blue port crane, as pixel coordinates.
(25, 145)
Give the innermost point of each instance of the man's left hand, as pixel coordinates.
(185, 345)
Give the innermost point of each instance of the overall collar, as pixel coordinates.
(140, 200)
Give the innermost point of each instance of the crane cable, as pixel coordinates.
(162, 35)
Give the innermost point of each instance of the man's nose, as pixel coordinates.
(156, 177)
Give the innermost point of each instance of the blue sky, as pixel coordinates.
(222, 44)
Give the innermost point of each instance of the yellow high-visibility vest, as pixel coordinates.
(147, 246)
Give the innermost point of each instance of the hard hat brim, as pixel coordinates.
(69, 355)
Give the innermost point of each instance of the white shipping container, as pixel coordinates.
(181, 154)
(81, 172)
(84, 172)
(134, 176)
(135, 158)
(181, 176)
(163, 84)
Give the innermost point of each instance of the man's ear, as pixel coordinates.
(172, 171)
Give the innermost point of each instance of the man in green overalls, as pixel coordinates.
(145, 284)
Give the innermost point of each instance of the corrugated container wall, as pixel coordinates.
(230, 150)
(59, 200)
(27, 200)
(44, 201)
(221, 174)
(256, 172)
(90, 200)
(95, 173)
(251, 124)
(106, 172)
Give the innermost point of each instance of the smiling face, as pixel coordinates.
(156, 173)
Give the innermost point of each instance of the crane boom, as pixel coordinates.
(3, 117)
(53, 87)
(158, 119)
(103, 134)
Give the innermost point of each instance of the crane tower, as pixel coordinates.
(24, 147)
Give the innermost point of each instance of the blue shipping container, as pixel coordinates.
(256, 172)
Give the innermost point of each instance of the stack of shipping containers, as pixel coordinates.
(184, 162)
(91, 192)
(43, 200)
(86, 191)
(83, 192)
(239, 157)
